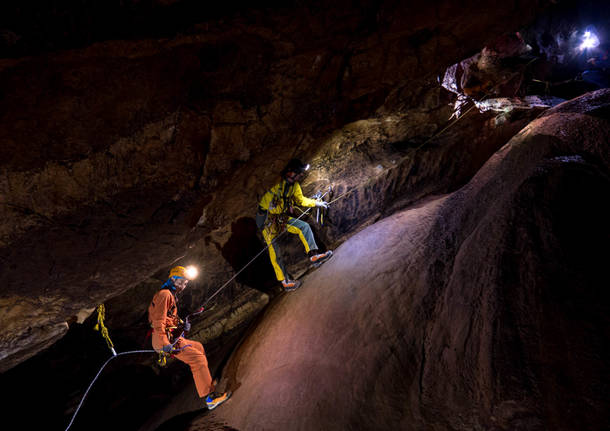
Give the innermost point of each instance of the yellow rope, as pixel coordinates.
(162, 360)
(101, 314)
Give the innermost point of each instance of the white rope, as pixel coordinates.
(254, 258)
(96, 377)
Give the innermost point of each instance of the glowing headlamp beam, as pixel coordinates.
(191, 272)
(589, 40)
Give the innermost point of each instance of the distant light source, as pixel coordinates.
(589, 40)
(191, 272)
(307, 167)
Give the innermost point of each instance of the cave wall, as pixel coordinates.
(126, 150)
(484, 308)
(119, 157)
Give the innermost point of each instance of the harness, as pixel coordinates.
(276, 223)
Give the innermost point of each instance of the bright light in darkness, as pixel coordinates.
(307, 167)
(589, 40)
(191, 272)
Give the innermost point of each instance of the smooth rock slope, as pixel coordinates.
(481, 309)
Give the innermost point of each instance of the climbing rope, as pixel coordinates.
(96, 377)
(436, 135)
(321, 196)
(162, 360)
(101, 315)
(200, 310)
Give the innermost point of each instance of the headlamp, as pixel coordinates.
(191, 272)
(589, 40)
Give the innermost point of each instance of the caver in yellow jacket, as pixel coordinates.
(274, 215)
(281, 196)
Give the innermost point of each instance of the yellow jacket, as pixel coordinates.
(280, 197)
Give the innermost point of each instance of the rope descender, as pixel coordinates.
(162, 360)
(320, 212)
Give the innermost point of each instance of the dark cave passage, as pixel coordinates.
(242, 247)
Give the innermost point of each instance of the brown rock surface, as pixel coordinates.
(126, 149)
(123, 157)
(481, 309)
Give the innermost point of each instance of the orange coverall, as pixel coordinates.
(162, 314)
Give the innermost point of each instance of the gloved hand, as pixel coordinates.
(187, 326)
(168, 348)
(322, 204)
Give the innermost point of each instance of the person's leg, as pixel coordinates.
(261, 218)
(274, 254)
(304, 231)
(194, 356)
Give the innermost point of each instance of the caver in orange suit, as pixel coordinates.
(163, 314)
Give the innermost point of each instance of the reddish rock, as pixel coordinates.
(481, 309)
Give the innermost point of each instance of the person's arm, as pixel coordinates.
(300, 199)
(158, 316)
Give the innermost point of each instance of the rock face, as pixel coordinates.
(481, 309)
(121, 158)
(127, 149)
